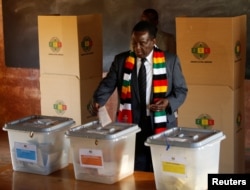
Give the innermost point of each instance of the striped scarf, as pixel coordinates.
(160, 87)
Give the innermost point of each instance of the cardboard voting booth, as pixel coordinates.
(219, 108)
(212, 52)
(70, 51)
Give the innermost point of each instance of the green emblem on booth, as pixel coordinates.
(237, 49)
(60, 107)
(55, 44)
(86, 44)
(238, 119)
(204, 121)
(200, 50)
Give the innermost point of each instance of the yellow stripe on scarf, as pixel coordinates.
(158, 89)
(159, 60)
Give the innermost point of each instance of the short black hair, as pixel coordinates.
(145, 26)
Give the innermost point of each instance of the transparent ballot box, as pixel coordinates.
(182, 157)
(103, 154)
(38, 144)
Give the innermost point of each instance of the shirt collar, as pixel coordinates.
(149, 57)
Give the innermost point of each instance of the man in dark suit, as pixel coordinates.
(165, 91)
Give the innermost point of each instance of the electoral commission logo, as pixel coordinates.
(204, 121)
(237, 50)
(201, 50)
(55, 44)
(87, 44)
(60, 107)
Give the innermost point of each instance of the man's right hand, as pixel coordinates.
(93, 107)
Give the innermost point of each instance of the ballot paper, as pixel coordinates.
(103, 116)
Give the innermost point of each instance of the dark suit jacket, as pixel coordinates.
(176, 94)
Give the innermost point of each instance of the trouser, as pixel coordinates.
(143, 160)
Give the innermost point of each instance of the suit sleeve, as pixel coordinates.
(177, 91)
(109, 83)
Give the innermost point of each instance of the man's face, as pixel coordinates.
(142, 44)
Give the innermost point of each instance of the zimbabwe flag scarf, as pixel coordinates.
(159, 85)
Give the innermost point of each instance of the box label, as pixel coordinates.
(174, 164)
(91, 158)
(173, 167)
(26, 152)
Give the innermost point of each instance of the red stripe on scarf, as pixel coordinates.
(129, 65)
(159, 130)
(125, 96)
(125, 116)
(157, 54)
(160, 82)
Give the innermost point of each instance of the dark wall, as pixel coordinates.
(20, 22)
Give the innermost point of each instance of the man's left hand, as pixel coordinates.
(159, 105)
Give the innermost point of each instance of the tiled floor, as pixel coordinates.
(6, 159)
